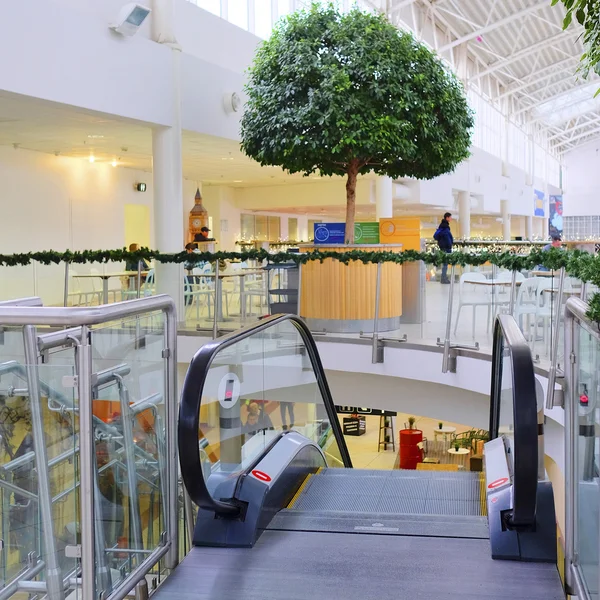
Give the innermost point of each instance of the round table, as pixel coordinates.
(445, 430)
(458, 452)
(461, 456)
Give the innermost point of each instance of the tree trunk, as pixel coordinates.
(351, 200)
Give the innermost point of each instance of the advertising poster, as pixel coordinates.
(538, 207)
(330, 233)
(335, 233)
(555, 215)
(366, 233)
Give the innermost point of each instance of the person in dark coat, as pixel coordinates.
(445, 241)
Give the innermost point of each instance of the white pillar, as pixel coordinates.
(303, 228)
(167, 170)
(529, 227)
(464, 214)
(384, 203)
(504, 210)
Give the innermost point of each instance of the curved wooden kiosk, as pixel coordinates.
(340, 298)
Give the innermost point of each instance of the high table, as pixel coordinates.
(106, 276)
(219, 289)
(445, 430)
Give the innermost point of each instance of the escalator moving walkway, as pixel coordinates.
(278, 519)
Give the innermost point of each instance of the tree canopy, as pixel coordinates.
(346, 94)
(586, 13)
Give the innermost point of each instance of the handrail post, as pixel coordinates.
(217, 303)
(571, 441)
(66, 288)
(139, 278)
(171, 518)
(554, 357)
(446, 357)
(86, 466)
(53, 571)
(375, 353)
(513, 289)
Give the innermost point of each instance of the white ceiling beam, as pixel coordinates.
(495, 25)
(534, 75)
(565, 133)
(525, 52)
(398, 7)
(595, 131)
(575, 128)
(526, 86)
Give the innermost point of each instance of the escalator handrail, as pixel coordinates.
(525, 472)
(191, 398)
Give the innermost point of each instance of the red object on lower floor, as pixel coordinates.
(410, 453)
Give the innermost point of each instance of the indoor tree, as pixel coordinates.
(587, 14)
(346, 94)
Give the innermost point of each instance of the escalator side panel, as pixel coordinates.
(264, 491)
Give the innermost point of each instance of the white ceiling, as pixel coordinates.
(523, 59)
(54, 128)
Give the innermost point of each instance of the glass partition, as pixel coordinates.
(585, 396)
(254, 390)
(39, 474)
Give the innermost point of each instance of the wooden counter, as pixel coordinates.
(340, 298)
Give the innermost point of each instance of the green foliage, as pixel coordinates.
(579, 264)
(347, 94)
(587, 14)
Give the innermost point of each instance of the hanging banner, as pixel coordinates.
(555, 215)
(538, 207)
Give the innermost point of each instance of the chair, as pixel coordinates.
(526, 304)
(471, 294)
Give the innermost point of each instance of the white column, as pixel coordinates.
(529, 227)
(504, 210)
(167, 171)
(303, 228)
(464, 215)
(384, 203)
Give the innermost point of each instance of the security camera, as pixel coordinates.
(130, 19)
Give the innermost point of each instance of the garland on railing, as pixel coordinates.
(577, 263)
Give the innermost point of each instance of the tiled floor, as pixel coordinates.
(363, 449)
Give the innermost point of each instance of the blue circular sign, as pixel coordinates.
(322, 233)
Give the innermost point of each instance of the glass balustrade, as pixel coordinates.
(131, 376)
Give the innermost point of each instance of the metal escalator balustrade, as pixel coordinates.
(262, 388)
(521, 512)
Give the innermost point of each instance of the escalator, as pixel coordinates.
(282, 515)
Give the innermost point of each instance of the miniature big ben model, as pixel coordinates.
(198, 216)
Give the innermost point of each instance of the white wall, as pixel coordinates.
(582, 186)
(67, 54)
(59, 203)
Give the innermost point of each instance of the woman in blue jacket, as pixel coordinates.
(443, 236)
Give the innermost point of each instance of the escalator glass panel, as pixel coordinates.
(255, 389)
(587, 459)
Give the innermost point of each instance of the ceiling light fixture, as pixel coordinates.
(114, 163)
(92, 158)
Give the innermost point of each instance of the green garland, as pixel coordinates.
(577, 263)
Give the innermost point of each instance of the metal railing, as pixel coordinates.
(191, 399)
(80, 324)
(582, 528)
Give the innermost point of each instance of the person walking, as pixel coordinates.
(445, 241)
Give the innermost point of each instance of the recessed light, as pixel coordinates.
(92, 158)
(114, 163)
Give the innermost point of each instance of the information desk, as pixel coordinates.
(340, 298)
